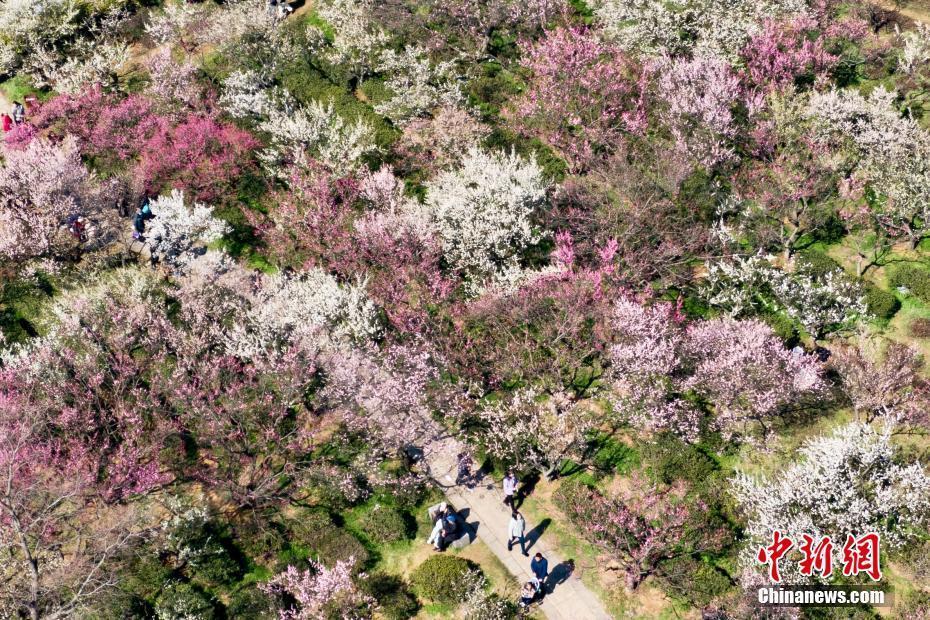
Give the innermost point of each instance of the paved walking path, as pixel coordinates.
(568, 598)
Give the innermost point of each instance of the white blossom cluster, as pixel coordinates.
(848, 482)
(196, 24)
(713, 27)
(317, 130)
(248, 94)
(356, 40)
(62, 44)
(741, 285)
(479, 602)
(23, 23)
(915, 49)
(482, 212)
(297, 310)
(177, 231)
(892, 153)
(417, 84)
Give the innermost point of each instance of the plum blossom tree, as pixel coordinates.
(39, 186)
(320, 591)
(482, 212)
(439, 142)
(785, 189)
(848, 482)
(357, 39)
(583, 96)
(172, 84)
(817, 301)
(785, 52)
(884, 383)
(701, 93)
(740, 367)
(747, 372)
(705, 26)
(315, 130)
(290, 310)
(177, 230)
(888, 152)
(531, 431)
(417, 84)
(642, 527)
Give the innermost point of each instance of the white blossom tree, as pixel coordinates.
(890, 153)
(417, 84)
(482, 210)
(706, 26)
(316, 130)
(743, 285)
(300, 309)
(851, 481)
(177, 230)
(357, 41)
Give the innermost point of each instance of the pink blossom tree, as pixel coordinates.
(319, 592)
(741, 368)
(785, 52)
(40, 185)
(643, 527)
(583, 94)
(884, 383)
(748, 374)
(701, 93)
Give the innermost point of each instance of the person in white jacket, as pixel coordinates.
(516, 531)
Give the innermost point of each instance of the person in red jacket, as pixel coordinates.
(7, 123)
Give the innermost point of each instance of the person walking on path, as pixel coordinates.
(515, 532)
(510, 489)
(540, 567)
(18, 113)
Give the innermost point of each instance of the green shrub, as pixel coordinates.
(701, 582)
(913, 278)
(439, 578)
(146, 576)
(395, 600)
(183, 600)
(384, 524)
(817, 263)
(670, 459)
(783, 327)
(881, 304)
(920, 328)
(326, 541)
(249, 603)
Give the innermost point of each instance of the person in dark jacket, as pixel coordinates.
(540, 567)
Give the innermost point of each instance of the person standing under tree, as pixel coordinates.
(18, 112)
(510, 488)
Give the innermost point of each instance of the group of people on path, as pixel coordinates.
(17, 116)
(143, 214)
(516, 533)
(447, 523)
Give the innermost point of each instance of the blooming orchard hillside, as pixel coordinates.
(261, 263)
